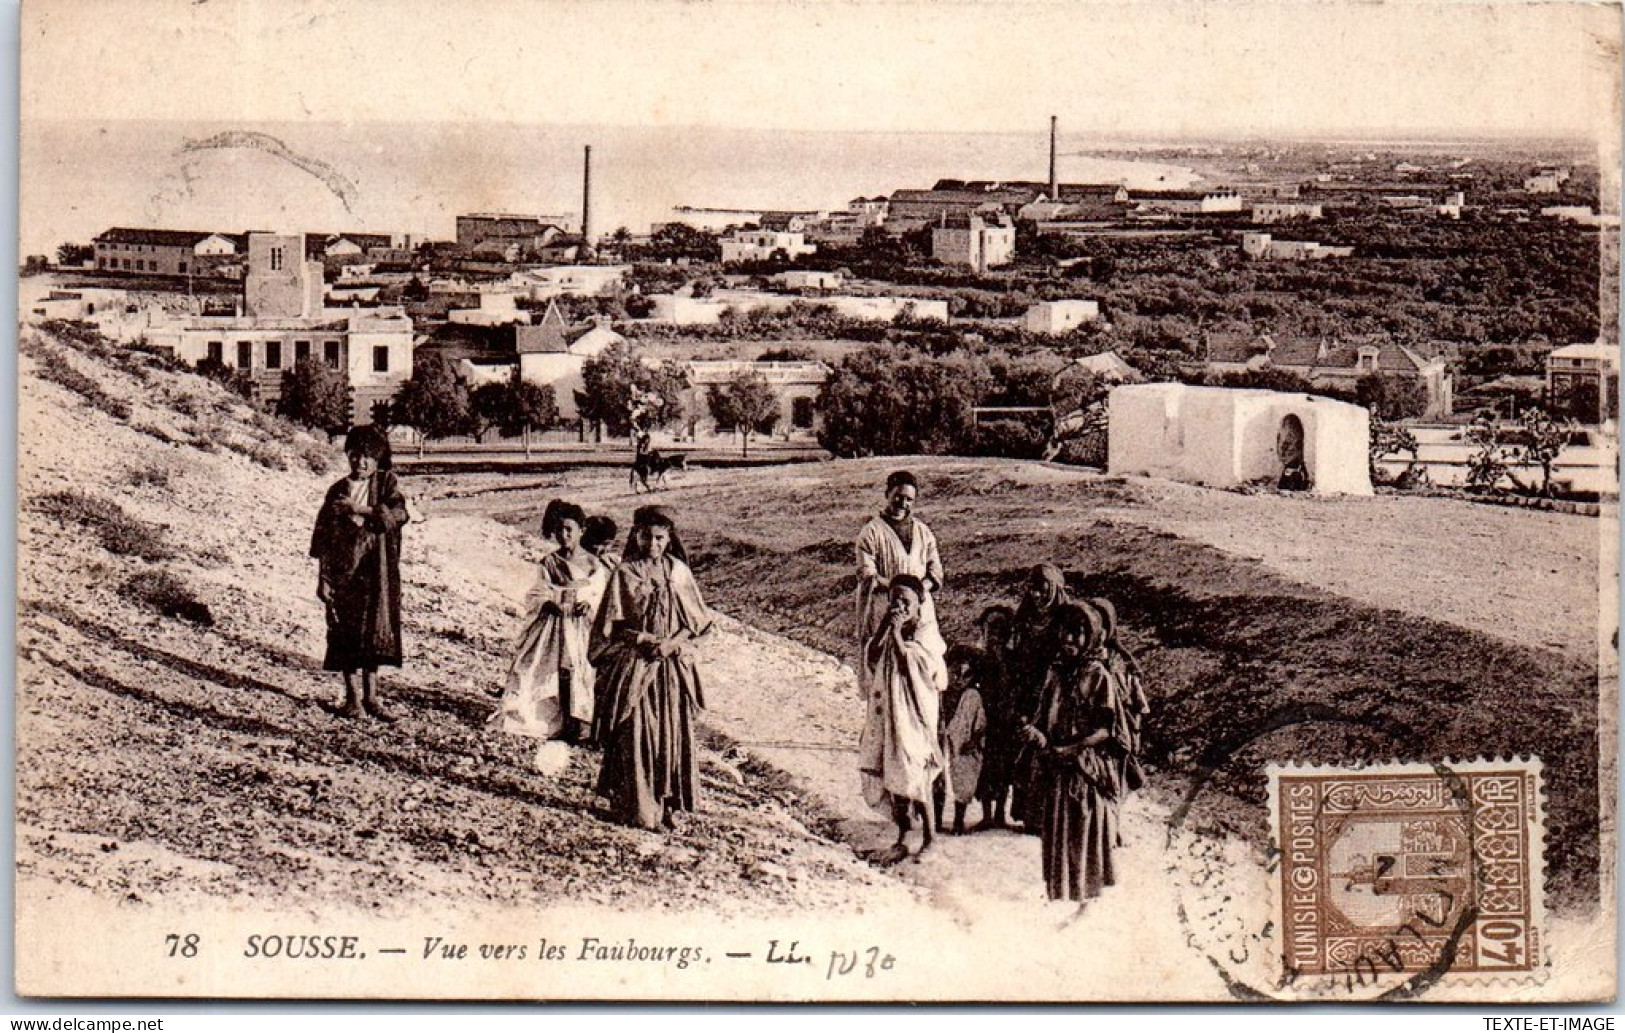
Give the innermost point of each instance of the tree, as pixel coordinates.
(618, 383)
(1486, 464)
(1540, 439)
(238, 381)
(433, 402)
(877, 402)
(747, 403)
(74, 254)
(1390, 397)
(490, 405)
(533, 407)
(1388, 439)
(316, 395)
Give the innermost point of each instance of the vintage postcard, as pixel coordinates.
(819, 502)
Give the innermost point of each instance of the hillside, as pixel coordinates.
(1272, 628)
(173, 735)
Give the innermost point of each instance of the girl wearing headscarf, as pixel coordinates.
(649, 686)
(1078, 739)
(357, 544)
(1034, 644)
(894, 543)
(550, 682)
(1125, 671)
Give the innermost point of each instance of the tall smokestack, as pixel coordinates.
(586, 200)
(1054, 183)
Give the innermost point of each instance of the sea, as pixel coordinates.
(78, 178)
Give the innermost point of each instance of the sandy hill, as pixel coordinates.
(1273, 629)
(173, 731)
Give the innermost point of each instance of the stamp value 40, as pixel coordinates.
(1409, 871)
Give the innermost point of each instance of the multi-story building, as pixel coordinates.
(973, 241)
(284, 321)
(163, 252)
(761, 245)
(528, 231)
(1336, 364)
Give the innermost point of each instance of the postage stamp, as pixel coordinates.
(1409, 869)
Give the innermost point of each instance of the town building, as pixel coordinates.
(1335, 364)
(795, 384)
(164, 252)
(808, 280)
(1582, 380)
(1269, 212)
(552, 354)
(284, 320)
(1058, 317)
(973, 241)
(1217, 201)
(1226, 437)
(912, 209)
(682, 310)
(761, 245)
(496, 308)
(527, 231)
(1265, 247)
(1542, 183)
(551, 281)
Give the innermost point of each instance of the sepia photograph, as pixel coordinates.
(801, 501)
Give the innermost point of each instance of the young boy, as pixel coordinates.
(964, 725)
(899, 755)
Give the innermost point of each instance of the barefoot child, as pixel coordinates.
(357, 543)
(1078, 737)
(964, 726)
(550, 683)
(899, 755)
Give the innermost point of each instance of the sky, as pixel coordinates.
(1164, 68)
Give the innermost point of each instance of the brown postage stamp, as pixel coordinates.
(1409, 871)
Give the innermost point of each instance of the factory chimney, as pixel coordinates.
(1054, 183)
(586, 202)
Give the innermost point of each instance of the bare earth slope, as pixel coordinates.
(157, 757)
(1273, 628)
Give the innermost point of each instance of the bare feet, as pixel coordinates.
(891, 856)
(351, 709)
(378, 710)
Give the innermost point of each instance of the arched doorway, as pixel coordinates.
(1289, 448)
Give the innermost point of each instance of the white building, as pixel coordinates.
(1264, 246)
(795, 384)
(285, 320)
(808, 280)
(1269, 212)
(763, 245)
(1225, 437)
(551, 281)
(1542, 183)
(497, 308)
(682, 310)
(1058, 317)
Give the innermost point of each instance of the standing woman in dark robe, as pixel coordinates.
(357, 543)
(1078, 740)
(1034, 644)
(1001, 744)
(648, 684)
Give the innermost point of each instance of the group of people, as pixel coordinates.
(1043, 716)
(604, 657)
(1040, 720)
